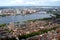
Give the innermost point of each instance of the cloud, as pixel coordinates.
(29, 2)
(33, 3)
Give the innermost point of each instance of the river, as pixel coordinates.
(21, 18)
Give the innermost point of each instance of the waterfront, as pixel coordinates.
(29, 20)
(28, 23)
(20, 18)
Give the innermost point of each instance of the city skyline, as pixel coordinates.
(29, 2)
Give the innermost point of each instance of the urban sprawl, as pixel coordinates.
(38, 29)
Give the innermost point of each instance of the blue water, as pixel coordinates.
(20, 18)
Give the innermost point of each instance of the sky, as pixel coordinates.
(29, 2)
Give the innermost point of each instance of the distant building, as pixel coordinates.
(8, 11)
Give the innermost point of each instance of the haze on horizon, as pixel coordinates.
(29, 2)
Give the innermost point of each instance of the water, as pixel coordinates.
(20, 18)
